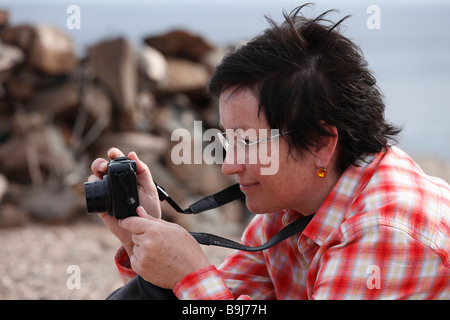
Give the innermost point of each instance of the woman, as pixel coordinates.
(381, 228)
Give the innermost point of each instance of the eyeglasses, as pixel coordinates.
(240, 143)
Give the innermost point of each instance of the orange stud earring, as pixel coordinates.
(322, 172)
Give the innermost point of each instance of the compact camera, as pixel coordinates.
(117, 194)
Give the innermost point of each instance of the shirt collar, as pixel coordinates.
(332, 212)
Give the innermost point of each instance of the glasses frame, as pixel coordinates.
(226, 143)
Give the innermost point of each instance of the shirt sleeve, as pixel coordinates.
(380, 262)
(203, 284)
(242, 276)
(123, 265)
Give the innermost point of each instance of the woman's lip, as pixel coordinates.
(246, 186)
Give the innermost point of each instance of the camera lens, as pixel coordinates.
(98, 197)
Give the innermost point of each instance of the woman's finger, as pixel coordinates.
(93, 178)
(114, 153)
(99, 167)
(144, 175)
(135, 225)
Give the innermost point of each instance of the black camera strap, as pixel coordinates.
(288, 231)
(207, 203)
(223, 197)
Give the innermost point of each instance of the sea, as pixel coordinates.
(407, 44)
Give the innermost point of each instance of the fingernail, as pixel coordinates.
(103, 166)
(110, 150)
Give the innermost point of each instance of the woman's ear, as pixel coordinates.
(327, 146)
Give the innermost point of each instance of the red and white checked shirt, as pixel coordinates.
(382, 233)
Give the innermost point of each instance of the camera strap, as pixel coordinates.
(223, 197)
(288, 231)
(207, 203)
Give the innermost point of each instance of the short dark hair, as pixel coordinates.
(305, 71)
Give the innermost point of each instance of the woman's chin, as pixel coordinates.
(258, 207)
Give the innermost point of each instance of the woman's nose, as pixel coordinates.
(231, 165)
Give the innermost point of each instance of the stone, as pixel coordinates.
(153, 64)
(14, 155)
(51, 51)
(186, 76)
(19, 36)
(114, 64)
(57, 100)
(4, 18)
(147, 146)
(145, 115)
(175, 114)
(212, 58)
(98, 105)
(6, 127)
(180, 44)
(3, 186)
(50, 203)
(22, 84)
(10, 56)
(11, 216)
(35, 152)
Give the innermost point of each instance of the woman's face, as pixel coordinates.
(293, 185)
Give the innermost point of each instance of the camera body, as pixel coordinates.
(117, 194)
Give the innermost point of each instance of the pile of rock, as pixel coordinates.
(58, 112)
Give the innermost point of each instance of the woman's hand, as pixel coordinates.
(148, 195)
(163, 252)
